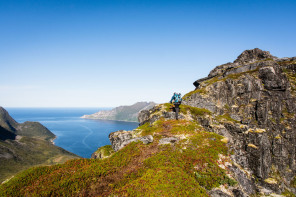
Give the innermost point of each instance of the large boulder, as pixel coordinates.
(250, 56)
(120, 139)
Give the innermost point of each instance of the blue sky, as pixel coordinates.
(105, 53)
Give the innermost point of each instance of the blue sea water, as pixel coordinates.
(79, 136)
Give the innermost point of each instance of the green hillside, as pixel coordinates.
(18, 155)
(25, 145)
(188, 167)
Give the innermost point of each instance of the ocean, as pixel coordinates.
(79, 136)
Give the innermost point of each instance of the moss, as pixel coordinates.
(163, 181)
(210, 181)
(194, 111)
(226, 117)
(287, 115)
(167, 106)
(202, 152)
(166, 127)
(147, 129)
(238, 75)
(105, 151)
(285, 63)
(264, 60)
(292, 79)
(288, 193)
(293, 182)
(227, 107)
(212, 81)
(196, 91)
(272, 120)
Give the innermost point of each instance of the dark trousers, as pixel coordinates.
(177, 109)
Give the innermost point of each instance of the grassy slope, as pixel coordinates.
(28, 152)
(32, 147)
(34, 129)
(189, 167)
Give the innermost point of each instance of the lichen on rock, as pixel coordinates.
(253, 99)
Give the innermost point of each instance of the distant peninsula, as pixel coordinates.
(122, 113)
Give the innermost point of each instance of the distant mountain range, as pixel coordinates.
(25, 145)
(122, 113)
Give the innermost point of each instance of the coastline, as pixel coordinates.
(52, 140)
(109, 119)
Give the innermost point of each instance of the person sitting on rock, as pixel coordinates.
(176, 101)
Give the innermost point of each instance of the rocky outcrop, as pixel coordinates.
(253, 104)
(244, 62)
(6, 121)
(122, 113)
(253, 55)
(103, 152)
(168, 140)
(156, 113)
(120, 139)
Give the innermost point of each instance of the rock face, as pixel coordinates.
(120, 139)
(250, 56)
(6, 134)
(246, 61)
(122, 113)
(254, 99)
(6, 121)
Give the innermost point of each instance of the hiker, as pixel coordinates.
(176, 101)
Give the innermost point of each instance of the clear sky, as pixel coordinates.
(105, 53)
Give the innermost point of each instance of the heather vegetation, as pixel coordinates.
(28, 152)
(187, 167)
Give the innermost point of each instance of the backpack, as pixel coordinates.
(178, 98)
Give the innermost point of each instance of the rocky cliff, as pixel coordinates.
(25, 145)
(235, 137)
(122, 113)
(251, 102)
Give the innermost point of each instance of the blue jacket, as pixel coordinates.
(176, 98)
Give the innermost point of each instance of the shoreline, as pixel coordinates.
(52, 140)
(108, 119)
